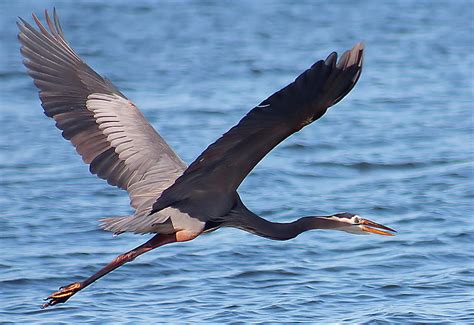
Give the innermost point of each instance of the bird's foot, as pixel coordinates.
(63, 294)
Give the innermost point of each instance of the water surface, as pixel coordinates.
(398, 150)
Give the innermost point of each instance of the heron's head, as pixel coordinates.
(354, 224)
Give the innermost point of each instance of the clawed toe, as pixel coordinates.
(62, 295)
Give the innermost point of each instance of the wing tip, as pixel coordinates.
(53, 24)
(349, 69)
(358, 52)
(331, 59)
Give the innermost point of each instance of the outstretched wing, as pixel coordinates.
(226, 162)
(107, 129)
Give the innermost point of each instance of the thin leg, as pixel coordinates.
(68, 291)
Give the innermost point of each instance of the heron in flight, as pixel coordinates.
(171, 200)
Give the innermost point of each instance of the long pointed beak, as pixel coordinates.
(370, 226)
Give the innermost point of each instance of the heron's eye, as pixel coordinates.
(356, 220)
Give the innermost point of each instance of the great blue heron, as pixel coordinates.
(175, 202)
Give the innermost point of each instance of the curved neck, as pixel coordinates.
(247, 220)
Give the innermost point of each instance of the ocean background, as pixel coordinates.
(399, 149)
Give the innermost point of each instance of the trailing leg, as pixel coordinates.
(68, 291)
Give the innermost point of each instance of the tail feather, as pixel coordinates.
(117, 225)
(138, 224)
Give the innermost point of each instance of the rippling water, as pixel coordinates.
(398, 149)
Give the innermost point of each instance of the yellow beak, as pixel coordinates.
(370, 226)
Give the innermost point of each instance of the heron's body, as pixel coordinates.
(171, 200)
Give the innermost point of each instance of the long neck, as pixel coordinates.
(248, 221)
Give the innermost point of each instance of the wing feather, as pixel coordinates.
(107, 130)
(224, 164)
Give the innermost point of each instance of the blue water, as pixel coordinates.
(398, 150)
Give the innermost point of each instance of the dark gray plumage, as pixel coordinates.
(175, 202)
